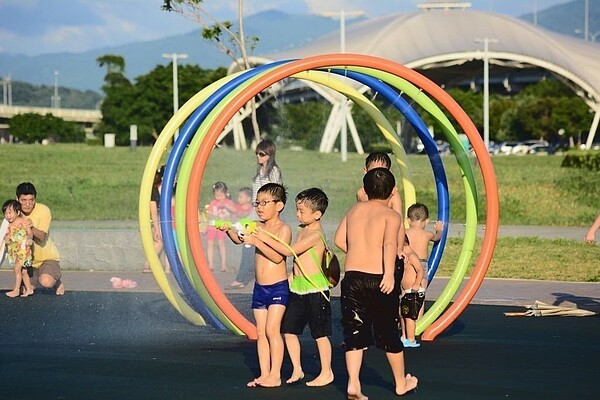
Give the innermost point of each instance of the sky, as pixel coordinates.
(34, 27)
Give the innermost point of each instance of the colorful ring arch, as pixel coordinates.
(209, 130)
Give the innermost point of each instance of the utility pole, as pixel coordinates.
(7, 91)
(55, 98)
(586, 20)
(486, 88)
(174, 57)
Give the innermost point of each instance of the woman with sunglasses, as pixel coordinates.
(267, 171)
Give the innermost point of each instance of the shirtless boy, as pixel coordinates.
(309, 297)
(418, 218)
(411, 282)
(379, 159)
(370, 298)
(271, 290)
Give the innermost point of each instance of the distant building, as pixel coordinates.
(444, 43)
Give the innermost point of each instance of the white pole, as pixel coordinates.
(9, 79)
(55, 99)
(486, 89)
(344, 135)
(174, 57)
(342, 32)
(586, 20)
(486, 94)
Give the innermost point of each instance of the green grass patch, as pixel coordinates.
(82, 182)
(92, 183)
(532, 258)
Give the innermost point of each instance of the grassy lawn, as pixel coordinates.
(82, 182)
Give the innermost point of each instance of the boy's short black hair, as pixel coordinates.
(418, 212)
(14, 204)
(378, 157)
(315, 199)
(246, 190)
(26, 188)
(277, 191)
(379, 183)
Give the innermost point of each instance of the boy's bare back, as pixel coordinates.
(368, 228)
(419, 241)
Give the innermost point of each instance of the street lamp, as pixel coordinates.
(486, 88)
(174, 57)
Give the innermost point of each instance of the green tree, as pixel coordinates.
(153, 108)
(118, 100)
(223, 35)
(33, 128)
(541, 110)
(301, 123)
(147, 102)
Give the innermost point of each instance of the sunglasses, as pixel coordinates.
(261, 153)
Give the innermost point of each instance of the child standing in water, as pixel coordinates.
(221, 207)
(368, 234)
(309, 301)
(419, 236)
(244, 205)
(18, 239)
(411, 283)
(271, 290)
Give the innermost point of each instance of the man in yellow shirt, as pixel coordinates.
(46, 266)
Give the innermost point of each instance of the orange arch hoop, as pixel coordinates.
(340, 61)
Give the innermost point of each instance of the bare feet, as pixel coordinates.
(296, 377)
(410, 384)
(356, 396)
(321, 380)
(13, 293)
(355, 393)
(269, 382)
(60, 290)
(27, 292)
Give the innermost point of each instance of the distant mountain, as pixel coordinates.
(568, 18)
(276, 30)
(26, 94)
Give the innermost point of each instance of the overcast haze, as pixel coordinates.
(35, 27)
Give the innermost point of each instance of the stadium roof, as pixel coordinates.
(446, 46)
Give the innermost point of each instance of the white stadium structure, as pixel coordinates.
(447, 45)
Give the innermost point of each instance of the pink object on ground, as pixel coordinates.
(119, 283)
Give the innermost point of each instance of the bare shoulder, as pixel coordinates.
(281, 227)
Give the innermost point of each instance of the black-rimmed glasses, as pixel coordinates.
(263, 202)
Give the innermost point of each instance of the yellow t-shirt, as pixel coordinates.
(42, 251)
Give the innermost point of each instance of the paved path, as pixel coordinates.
(513, 292)
(493, 291)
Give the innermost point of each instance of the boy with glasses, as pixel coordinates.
(271, 290)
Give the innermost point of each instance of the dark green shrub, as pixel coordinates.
(589, 160)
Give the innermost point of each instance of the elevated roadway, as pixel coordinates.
(88, 117)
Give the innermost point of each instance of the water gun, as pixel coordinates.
(245, 226)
